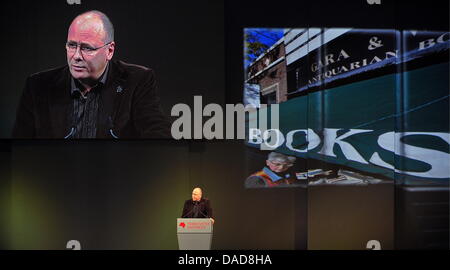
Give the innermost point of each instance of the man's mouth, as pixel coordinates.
(78, 68)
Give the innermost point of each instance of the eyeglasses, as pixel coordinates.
(71, 47)
(277, 164)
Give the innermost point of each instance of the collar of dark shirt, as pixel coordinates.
(75, 85)
(197, 202)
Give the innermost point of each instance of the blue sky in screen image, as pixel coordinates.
(268, 36)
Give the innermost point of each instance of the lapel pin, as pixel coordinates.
(119, 89)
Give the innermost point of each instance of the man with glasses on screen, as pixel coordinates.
(275, 174)
(93, 96)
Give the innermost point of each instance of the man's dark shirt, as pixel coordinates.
(197, 209)
(85, 107)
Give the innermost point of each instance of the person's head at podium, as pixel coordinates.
(197, 207)
(197, 194)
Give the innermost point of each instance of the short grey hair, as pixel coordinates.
(274, 156)
(107, 24)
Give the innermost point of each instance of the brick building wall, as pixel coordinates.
(269, 71)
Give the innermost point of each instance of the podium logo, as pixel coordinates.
(182, 224)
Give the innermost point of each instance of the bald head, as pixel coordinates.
(95, 22)
(197, 194)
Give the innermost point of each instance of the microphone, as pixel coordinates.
(188, 213)
(72, 131)
(73, 127)
(201, 212)
(195, 203)
(206, 204)
(205, 216)
(111, 126)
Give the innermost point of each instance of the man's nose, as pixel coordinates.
(77, 55)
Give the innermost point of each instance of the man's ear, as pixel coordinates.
(111, 49)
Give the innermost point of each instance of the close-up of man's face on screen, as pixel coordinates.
(100, 75)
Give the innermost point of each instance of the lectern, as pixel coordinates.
(194, 233)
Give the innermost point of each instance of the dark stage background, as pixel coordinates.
(128, 194)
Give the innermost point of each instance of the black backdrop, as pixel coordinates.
(127, 194)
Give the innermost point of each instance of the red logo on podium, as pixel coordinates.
(182, 224)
